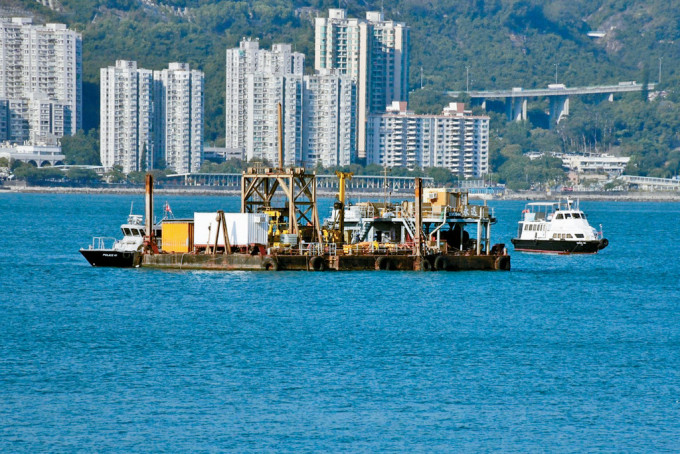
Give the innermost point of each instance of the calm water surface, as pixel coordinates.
(560, 354)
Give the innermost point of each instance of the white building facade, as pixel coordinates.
(257, 80)
(151, 116)
(374, 52)
(456, 140)
(179, 109)
(596, 163)
(42, 64)
(329, 121)
(126, 113)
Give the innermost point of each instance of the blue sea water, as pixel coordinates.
(563, 353)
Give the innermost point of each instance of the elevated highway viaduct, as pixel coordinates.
(516, 99)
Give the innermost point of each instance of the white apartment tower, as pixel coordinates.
(374, 52)
(456, 140)
(178, 104)
(257, 80)
(42, 62)
(329, 133)
(126, 117)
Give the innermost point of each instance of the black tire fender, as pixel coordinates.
(317, 263)
(425, 265)
(269, 264)
(604, 242)
(503, 263)
(441, 263)
(383, 263)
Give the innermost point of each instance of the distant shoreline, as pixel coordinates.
(202, 191)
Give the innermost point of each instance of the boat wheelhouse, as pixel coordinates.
(123, 253)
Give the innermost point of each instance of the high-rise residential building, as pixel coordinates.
(329, 120)
(47, 119)
(14, 120)
(42, 62)
(265, 92)
(126, 117)
(257, 80)
(456, 140)
(374, 52)
(151, 116)
(389, 60)
(179, 110)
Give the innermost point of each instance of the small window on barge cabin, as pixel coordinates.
(578, 235)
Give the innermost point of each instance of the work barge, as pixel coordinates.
(278, 228)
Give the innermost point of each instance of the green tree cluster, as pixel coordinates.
(82, 148)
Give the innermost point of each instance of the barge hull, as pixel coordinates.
(246, 262)
(110, 258)
(557, 247)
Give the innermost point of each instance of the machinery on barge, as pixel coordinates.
(278, 228)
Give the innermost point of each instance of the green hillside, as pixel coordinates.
(502, 43)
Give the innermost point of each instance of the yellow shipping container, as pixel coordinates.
(178, 235)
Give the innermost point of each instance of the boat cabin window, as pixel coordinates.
(559, 216)
(569, 235)
(126, 232)
(567, 215)
(577, 216)
(135, 232)
(578, 235)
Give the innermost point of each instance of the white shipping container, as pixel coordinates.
(243, 229)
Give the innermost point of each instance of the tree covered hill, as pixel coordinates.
(498, 43)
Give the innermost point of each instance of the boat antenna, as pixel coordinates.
(132, 204)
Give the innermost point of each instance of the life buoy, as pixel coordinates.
(441, 263)
(383, 263)
(269, 264)
(317, 263)
(425, 265)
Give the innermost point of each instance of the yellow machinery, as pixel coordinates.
(338, 236)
